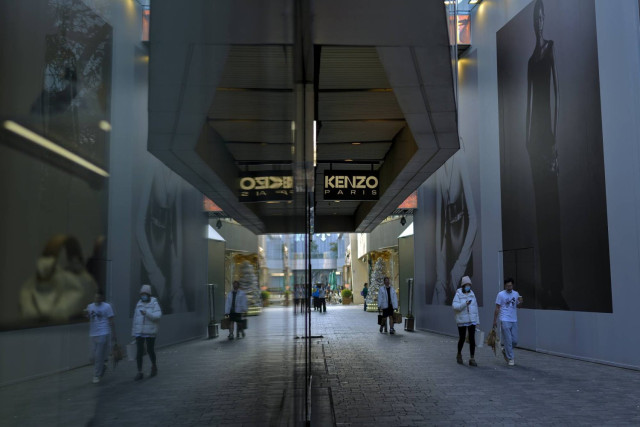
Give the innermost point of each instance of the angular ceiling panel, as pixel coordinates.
(351, 68)
(277, 132)
(369, 151)
(265, 67)
(237, 92)
(359, 131)
(246, 104)
(358, 105)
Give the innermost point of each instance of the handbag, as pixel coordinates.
(225, 323)
(117, 354)
(243, 322)
(397, 317)
(380, 320)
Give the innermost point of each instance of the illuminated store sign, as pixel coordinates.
(265, 186)
(351, 185)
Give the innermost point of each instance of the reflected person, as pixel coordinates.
(61, 287)
(146, 317)
(235, 307)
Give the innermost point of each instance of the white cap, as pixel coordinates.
(466, 280)
(145, 289)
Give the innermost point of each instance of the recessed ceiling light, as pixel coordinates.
(348, 160)
(356, 143)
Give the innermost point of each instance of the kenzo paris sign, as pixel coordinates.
(351, 185)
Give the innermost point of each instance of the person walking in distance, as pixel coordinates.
(101, 330)
(465, 307)
(387, 302)
(364, 293)
(322, 298)
(507, 302)
(146, 317)
(235, 306)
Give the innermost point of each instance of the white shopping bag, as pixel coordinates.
(479, 338)
(131, 351)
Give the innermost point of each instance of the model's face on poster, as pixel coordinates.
(538, 22)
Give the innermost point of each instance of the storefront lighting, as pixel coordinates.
(104, 125)
(43, 142)
(475, 1)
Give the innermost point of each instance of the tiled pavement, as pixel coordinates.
(360, 377)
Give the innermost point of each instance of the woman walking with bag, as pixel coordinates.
(145, 328)
(465, 307)
(387, 302)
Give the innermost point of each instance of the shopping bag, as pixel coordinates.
(117, 354)
(397, 317)
(225, 323)
(491, 340)
(479, 338)
(243, 323)
(380, 320)
(131, 351)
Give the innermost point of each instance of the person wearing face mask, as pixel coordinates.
(146, 316)
(101, 330)
(507, 303)
(465, 307)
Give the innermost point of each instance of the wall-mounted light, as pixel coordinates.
(219, 224)
(403, 221)
(53, 147)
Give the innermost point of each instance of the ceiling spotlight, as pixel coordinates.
(219, 224)
(403, 221)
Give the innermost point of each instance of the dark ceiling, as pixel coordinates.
(225, 102)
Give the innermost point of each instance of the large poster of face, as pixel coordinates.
(452, 230)
(554, 218)
(164, 257)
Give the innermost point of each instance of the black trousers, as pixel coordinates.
(462, 332)
(151, 342)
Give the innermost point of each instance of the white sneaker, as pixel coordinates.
(512, 362)
(96, 380)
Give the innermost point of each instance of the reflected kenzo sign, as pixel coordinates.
(265, 186)
(351, 185)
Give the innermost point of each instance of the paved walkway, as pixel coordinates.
(360, 377)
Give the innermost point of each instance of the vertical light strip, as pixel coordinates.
(52, 146)
(315, 151)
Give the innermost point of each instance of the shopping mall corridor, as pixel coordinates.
(360, 377)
